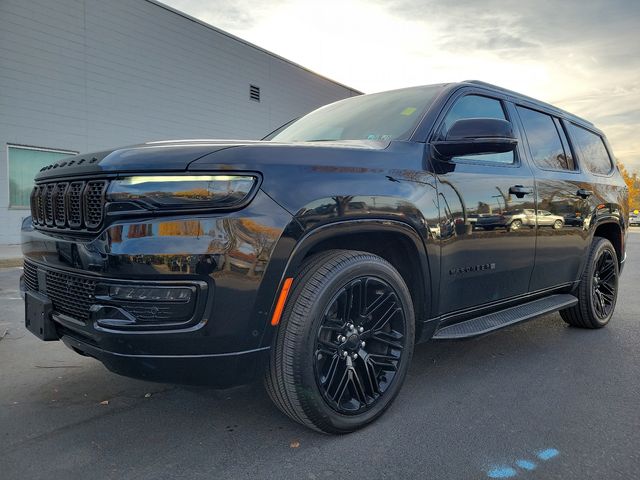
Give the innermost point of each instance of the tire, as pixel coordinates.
(515, 225)
(558, 224)
(598, 289)
(308, 370)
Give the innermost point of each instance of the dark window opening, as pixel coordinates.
(544, 140)
(590, 150)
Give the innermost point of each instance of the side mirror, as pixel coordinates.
(475, 136)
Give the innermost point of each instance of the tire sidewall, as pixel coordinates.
(305, 370)
(599, 249)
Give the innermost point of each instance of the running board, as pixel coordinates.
(503, 318)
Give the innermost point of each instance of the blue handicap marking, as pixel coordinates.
(502, 472)
(506, 471)
(526, 464)
(548, 454)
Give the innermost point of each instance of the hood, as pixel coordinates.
(177, 155)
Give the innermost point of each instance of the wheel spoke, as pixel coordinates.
(358, 387)
(342, 384)
(380, 337)
(378, 302)
(331, 371)
(372, 376)
(388, 314)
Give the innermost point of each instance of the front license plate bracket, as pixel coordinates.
(38, 309)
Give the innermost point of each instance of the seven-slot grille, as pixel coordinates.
(77, 205)
(70, 295)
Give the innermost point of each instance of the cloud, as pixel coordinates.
(581, 56)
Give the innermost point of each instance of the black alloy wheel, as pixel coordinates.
(604, 284)
(598, 289)
(359, 345)
(344, 342)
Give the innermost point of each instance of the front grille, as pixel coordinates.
(73, 295)
(69, 205)
(70, 294)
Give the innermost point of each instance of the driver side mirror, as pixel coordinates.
(476, 136)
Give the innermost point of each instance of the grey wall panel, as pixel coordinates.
(86, 75)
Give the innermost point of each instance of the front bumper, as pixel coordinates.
(233, 261)
(217, 370)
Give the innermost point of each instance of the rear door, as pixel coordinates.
(562, 197)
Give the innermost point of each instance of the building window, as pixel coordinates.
(254, 93)
(24, 163)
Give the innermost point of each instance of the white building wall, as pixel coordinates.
(87, 75)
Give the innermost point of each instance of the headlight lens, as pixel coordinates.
(182, 192)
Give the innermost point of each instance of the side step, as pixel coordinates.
(508, 316)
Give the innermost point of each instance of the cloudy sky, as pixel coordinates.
(582, 55)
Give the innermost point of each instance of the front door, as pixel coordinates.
(488, 256)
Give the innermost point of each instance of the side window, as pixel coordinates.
(544, 140)
(476, 106)
(591, 150)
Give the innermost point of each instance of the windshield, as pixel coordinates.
(380, 116)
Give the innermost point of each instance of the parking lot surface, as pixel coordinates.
(539, 400)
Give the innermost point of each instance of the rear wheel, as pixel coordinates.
(598, 289)
(344, 343)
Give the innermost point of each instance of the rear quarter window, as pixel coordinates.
(591, 150)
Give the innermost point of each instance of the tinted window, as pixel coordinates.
(591, 150)
(379, 116)
(544, 140)
(476, 106)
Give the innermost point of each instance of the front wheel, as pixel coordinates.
(344, 343)
(515, 225)
(598, 289)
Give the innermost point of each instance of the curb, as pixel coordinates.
(11, 262)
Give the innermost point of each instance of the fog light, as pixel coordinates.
(156, 294)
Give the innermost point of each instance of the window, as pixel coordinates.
(591, 150)
(24, 164)
(378, 116)
(476, 106)
(544, 140)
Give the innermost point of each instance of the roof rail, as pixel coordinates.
(525, 97)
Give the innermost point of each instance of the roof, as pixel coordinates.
(249, 44)
(520, 96)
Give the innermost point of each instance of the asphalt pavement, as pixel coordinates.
(539, 400)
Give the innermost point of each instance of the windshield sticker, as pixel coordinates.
(408, 111)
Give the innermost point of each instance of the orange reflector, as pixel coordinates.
(277, 313)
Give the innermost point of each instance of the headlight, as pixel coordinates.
(181, 192)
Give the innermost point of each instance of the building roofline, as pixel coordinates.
(249, 44)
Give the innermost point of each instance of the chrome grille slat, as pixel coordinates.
(76, 205)
(48, 204)
(94, 203)
(58, 204)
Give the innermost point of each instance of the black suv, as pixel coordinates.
(319, 256)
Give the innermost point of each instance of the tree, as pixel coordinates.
(633, 182)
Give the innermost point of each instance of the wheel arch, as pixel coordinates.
(612, 231)
(395, 241)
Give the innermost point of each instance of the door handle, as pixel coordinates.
(520, 191)
(584, 193)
